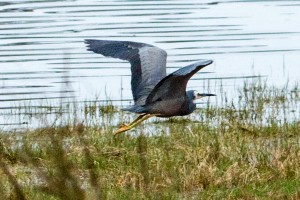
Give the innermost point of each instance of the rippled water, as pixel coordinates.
(43, 57)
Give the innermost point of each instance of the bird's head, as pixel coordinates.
(194, 95)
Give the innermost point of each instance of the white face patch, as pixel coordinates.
(196, 95)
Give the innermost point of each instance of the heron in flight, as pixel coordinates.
(154, 93)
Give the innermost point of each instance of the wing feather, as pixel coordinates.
(148, 63)
(174, 85)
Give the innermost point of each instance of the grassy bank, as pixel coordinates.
(248, 148)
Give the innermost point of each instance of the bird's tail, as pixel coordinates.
(136, 109)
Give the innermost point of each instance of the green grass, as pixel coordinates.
(245, 149)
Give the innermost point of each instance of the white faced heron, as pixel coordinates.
(154, 93)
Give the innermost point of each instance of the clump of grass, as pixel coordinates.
(246, 149)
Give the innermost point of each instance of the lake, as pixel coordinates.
(43, 58)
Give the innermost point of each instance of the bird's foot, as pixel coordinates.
(123, 125)
(122, 128)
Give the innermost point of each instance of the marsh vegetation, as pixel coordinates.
(245, 148)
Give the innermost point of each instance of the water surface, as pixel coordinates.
(44, 61)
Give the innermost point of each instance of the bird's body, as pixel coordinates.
(178, 106)
(154, 93)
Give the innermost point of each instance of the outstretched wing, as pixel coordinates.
(148, 63)
(174, 85)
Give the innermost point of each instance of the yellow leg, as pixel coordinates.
(138, 120)
(134, 121)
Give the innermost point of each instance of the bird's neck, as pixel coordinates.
(190, 101)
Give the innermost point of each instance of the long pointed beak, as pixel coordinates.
(206, 95)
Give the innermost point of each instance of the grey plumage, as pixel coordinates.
(148, 63)
(177, 80)
(153, 91)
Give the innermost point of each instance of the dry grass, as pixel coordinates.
(248, 149)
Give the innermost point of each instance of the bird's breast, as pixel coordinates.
(170, 107)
